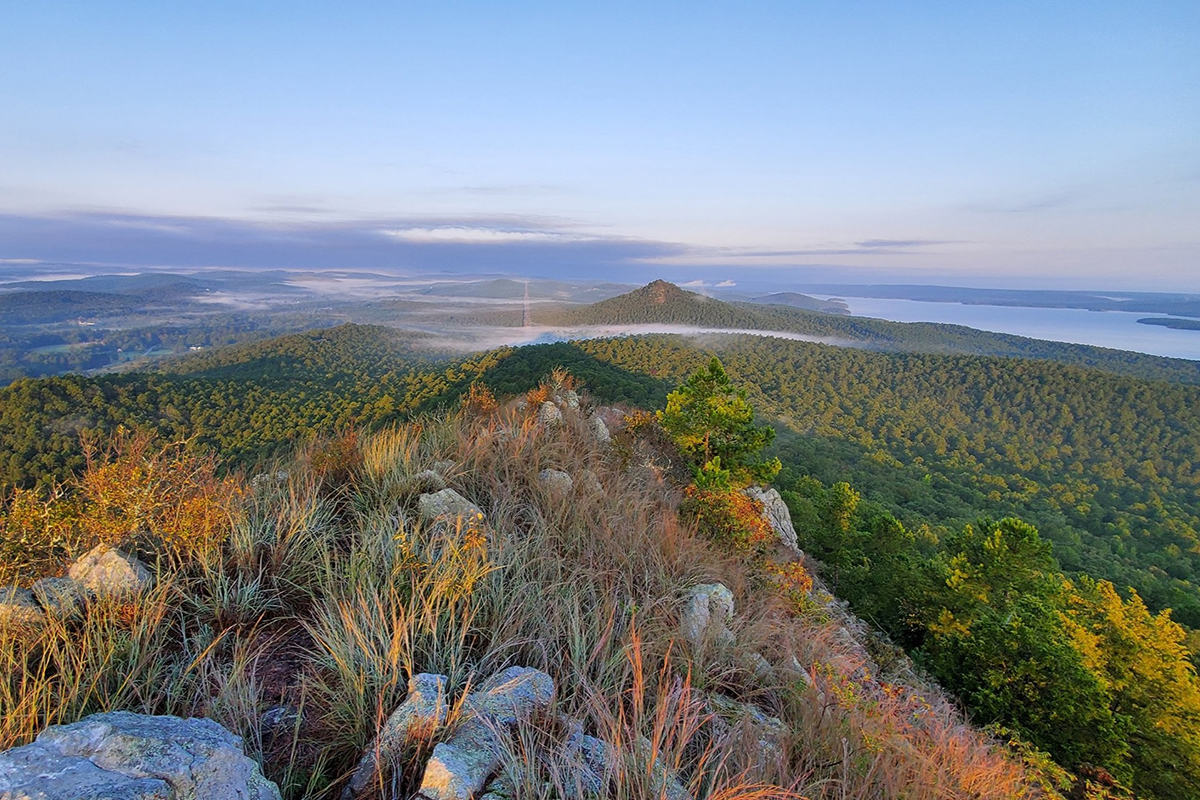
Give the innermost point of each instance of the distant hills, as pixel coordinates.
(664, 303)
(797, 300)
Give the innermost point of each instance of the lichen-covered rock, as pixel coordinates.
(428, 480)
(106, 571)
(707, 612)
(570, 398)
(133, 757)
(776, 513)
(446, 504)
(556, 481)
(512, 694)
(62, 596)
(599, 429)
(460, 767)
(593, 761)
(17, 607)
(664, 782)
(425, 706)
(771, 731)
(549, 415)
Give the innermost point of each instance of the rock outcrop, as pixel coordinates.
(460, 767)
(599, 429)
(549, 415)
(446, 505)
(556, 481)
(123, 756)
(425, 706)
(707, 612)
(776, 513)
(62, 596)
(107, 571)
(17, 607)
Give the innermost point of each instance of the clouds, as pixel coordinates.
(513, 245)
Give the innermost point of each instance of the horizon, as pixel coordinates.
(1057, 147)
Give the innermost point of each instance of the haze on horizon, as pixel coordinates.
(1029, 145)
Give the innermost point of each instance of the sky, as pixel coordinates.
(1024, 144)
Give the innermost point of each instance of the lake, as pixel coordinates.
(1116, 329)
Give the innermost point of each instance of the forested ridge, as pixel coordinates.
(664, 303)
(246, 402)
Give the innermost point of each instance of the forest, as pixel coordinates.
(1101, 464)
(945, 495)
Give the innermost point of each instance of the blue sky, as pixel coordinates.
(1023, 144)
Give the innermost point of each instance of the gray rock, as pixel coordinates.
(123, 755)
(425, 706)
(570, 399)
(512, 694)
(279, 719)
(592, 761)
(599, 429)
(549, 415)
(33, 772)
(61, 596)
(590, 483)
(663, 781)
(105, 571)
(761, 668)
(556, 481)
(428, 480)
(444, 467)
(446, 504)
(17, 607)
(776, 513)
(460, 767)
(770, 730)
(707, 612)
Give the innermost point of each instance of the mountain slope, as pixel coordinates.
(664, 303)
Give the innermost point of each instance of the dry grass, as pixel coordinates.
(586, 586)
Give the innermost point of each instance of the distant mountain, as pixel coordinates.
(797, 300)
(59, 305)
(665, 303)
(659, 302)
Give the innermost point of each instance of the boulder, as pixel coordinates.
(461, 766)
(127, 756)
(446, 504)
(707, 612)
(592, 761)
(106, 571)
(590, 482)
(570, 398)
(549, 415)
(776, 513)
(61, 596)
(664, 782)
(17, 607)
(425, 707)
(599, 429)
(770, 731)
(556, 481)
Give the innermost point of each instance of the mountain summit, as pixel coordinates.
(664, 303)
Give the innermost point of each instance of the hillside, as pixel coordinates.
(664, 303)
(803, 301)
(297, 609)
